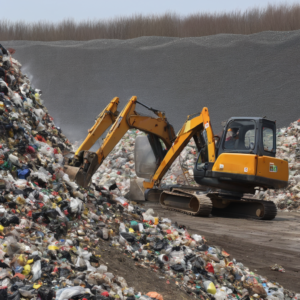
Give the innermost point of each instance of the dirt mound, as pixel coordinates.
(233, 75)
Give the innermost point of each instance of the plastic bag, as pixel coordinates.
(5, 273)
(197, 238)
(102, 269)
(3, 293)
(13, 296)
(128, 237)
(27, 291)
(67, 293)
(75, 205)
(14, 159)
(47, 150)
(17, 99)
(36, 270)
(41, 174)
(40, 127)
(60, 160)
(220, 295)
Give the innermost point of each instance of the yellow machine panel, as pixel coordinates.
(236, 163)
(273, 168)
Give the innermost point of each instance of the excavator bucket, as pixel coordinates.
(83, 175)
(145, 166)
(136, 192)
(71, 171)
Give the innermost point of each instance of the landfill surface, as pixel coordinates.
(233, 75)
(54, 234)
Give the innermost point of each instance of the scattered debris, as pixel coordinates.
(278, 268)
(288, 148)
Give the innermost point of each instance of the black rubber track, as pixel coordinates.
(244, 207)
(205, 204)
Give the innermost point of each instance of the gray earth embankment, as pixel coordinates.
(233, 75)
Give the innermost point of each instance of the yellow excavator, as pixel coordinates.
(160, 133)
(231, 166)
(228, 169)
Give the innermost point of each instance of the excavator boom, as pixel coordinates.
(127, 119)
(188, 130)
(105, 119)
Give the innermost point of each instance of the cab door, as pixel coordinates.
(202, 163)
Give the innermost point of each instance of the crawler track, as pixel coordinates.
(217, 204)
(245, 207)
(186, 202)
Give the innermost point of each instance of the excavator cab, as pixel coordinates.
(244, 158)
(249, 135)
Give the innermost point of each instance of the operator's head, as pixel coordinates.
(235, 133)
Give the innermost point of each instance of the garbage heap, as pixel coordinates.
(45, 223)
(119, 165)
(288, 148)
(200, 270)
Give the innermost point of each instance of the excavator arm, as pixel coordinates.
(188, 130)
(105, 119)
(127, 119)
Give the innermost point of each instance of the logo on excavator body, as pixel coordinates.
(273, 168)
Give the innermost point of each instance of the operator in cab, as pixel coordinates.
(232, 137)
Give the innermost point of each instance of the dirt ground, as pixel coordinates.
(143, 280)
(257, 244)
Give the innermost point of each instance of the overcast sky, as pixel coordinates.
(57, 10)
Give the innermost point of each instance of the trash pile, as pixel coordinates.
(45, 222)
(119, 165)
(182, 169)
(288, 148)
(200, 270)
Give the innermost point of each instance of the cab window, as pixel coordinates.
(268, 139)
(240, 135)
